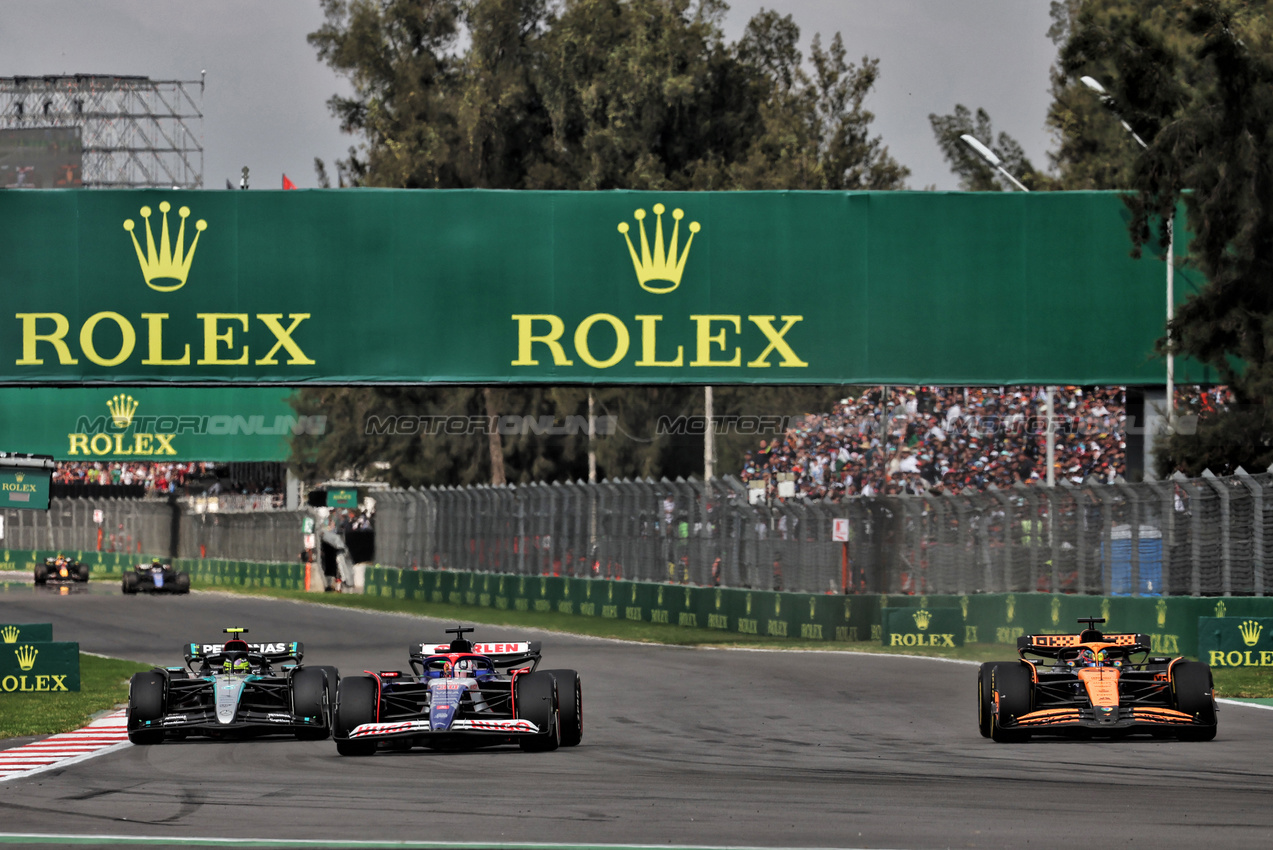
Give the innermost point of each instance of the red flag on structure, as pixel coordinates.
(288, 184)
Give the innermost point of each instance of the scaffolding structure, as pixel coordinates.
(137, 133)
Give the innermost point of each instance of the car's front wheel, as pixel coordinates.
(356, 699)
(536, 701)
(570, 706)
(1192, 687)
(310, 699)
(145, 703)
(1015, 689)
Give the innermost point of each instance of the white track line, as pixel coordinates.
(104, 735)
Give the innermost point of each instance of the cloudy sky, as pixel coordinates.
(265, 99)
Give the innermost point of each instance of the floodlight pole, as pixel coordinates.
(1108, 103)
(991, 157)
(995, 162)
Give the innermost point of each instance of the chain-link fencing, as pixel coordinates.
(270, 536)
(1181, 536)
(138, 526)
(1202, 536)
(127, 525)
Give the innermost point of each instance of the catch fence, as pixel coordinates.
(146, 526)
(1203, 536)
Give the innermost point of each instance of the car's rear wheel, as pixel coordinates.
(41, 574)
(985, 697)
(570, 706)
(536, 701)
(182, 583)
(1016, 697)
(130, 582)
(81, 572)
(355, 705)
(310, 698)
(1192, 688)
(145, 702)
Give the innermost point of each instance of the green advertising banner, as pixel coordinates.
(356, 285)
(918, 627)
(342, 498)
(26, 489)
(25, 632)
(154, 423)
(1236, 641)
(44, 668)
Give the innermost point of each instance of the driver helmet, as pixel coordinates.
(1087, 658)
(156, 562)
(463, 669)
(236, 663)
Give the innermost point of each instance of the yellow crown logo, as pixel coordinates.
(10, 634)
(922, 619)
(662, 264)
(166, 263)
(18, 476)
(122, 407)
(26, 656)
(1250, 632)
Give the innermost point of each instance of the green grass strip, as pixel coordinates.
(103, 685)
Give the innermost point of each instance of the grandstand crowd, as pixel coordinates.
(890, 441)
(156, 477)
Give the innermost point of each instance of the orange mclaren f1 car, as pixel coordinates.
(1091, 685)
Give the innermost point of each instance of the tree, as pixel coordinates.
(1194, 82)
(975, 174)
(577, 94)
(1092, 150)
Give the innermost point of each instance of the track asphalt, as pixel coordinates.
(682, 747)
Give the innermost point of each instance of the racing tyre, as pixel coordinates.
(130, 583)
(536, 701)
(1016, 697)
(41, 574)
(145, 702)
(1192, 688)
(570, 706)
(81, 572)
(181, 584)
(310, 698)
(985, 697)
(355, 705)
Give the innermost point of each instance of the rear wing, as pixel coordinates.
(281, 651)
(1050, 645)
(505, 655)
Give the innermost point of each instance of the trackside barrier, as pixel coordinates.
(213, 571)
(1171, 622)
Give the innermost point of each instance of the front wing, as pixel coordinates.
(1125, 718)
(417, 728)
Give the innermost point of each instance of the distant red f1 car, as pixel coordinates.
(1091, 684)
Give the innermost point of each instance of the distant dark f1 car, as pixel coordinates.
(156, 577)
(60, 569)
(1092, 684)
(461, 695)
(232, 690)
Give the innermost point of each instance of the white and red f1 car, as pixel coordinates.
(461, 695)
